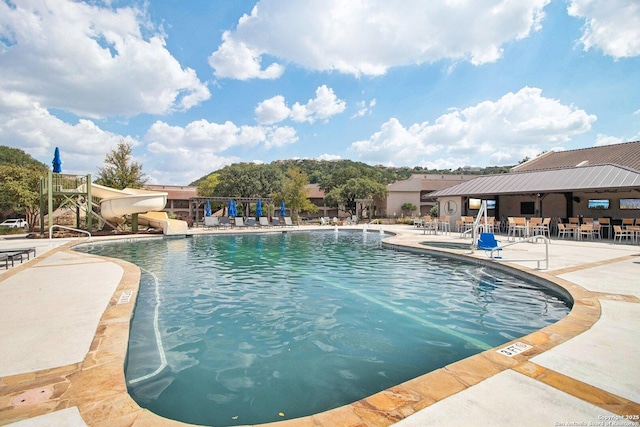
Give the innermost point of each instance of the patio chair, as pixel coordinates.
(520, 227)
(430, 227)
(224, 222)
(511, 229)
(445, 224)
(288, 222)
(276, 222)
(251, 222)
(542, 229)
(586, 231)
(619, 233)
(626, 222)
(563, 231)
(239, 222)
(605, 223)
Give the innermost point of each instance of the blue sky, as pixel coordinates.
(196, 85)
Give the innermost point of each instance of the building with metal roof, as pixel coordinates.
(591, 182)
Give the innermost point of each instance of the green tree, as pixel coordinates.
(20, 184)
(120, 170)
(249, 180)
(352, 190)
(408, 207)
(17, 157)
(207, 186)
(295, 193)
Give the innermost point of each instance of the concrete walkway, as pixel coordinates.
(65, 319)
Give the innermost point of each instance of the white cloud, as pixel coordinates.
(367, 37)
(323, 106)
(92, 61)
(272, 110)
(25, 124)
(280, 136)
(610, 25)
(607, 140)
(364, 108)
(329, 157)
(183, 154)
(236, 59)
(504, 131)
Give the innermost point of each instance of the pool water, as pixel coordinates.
(253, 328)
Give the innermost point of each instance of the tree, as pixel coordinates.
(409, 207)
(120, 170)
(20, 184)
(207, 186)
(17, 157)
(248, 180)
(352, 190)
(295, 193)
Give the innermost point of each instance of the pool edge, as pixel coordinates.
(97, 385)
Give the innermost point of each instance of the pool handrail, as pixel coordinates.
(526, 239)
(66, 228)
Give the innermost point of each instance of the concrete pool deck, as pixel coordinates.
(65, 320)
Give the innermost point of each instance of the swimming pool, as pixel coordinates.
(252, 328)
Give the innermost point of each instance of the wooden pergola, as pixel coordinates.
(196, 204)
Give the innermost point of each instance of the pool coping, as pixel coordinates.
(97, 385)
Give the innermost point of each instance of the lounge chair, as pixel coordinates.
(11, 256)
(239, 222)
(224, 222)
(211, 221)
(276, 222)
(251, 222)
(23, 251)
(264, 222)
(288, 222)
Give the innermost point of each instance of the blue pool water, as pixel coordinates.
(252, 328)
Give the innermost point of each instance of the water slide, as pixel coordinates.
(115, 204)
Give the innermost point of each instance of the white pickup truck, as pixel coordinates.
(15, 223)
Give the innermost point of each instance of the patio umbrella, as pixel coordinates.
(57, 163)
(207, 209)
(230, 208)
(259, 208)
(282, 209)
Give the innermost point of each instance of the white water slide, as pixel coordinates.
(115, 204)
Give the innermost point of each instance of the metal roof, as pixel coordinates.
(584, 178)
(626, 155)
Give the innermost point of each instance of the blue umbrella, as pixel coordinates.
(282, 210)
(230, 208)
(207, 209)
(259, 208)
(57, 163)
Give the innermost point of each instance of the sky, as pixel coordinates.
(197, 85)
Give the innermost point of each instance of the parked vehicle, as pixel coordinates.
(15, 223)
